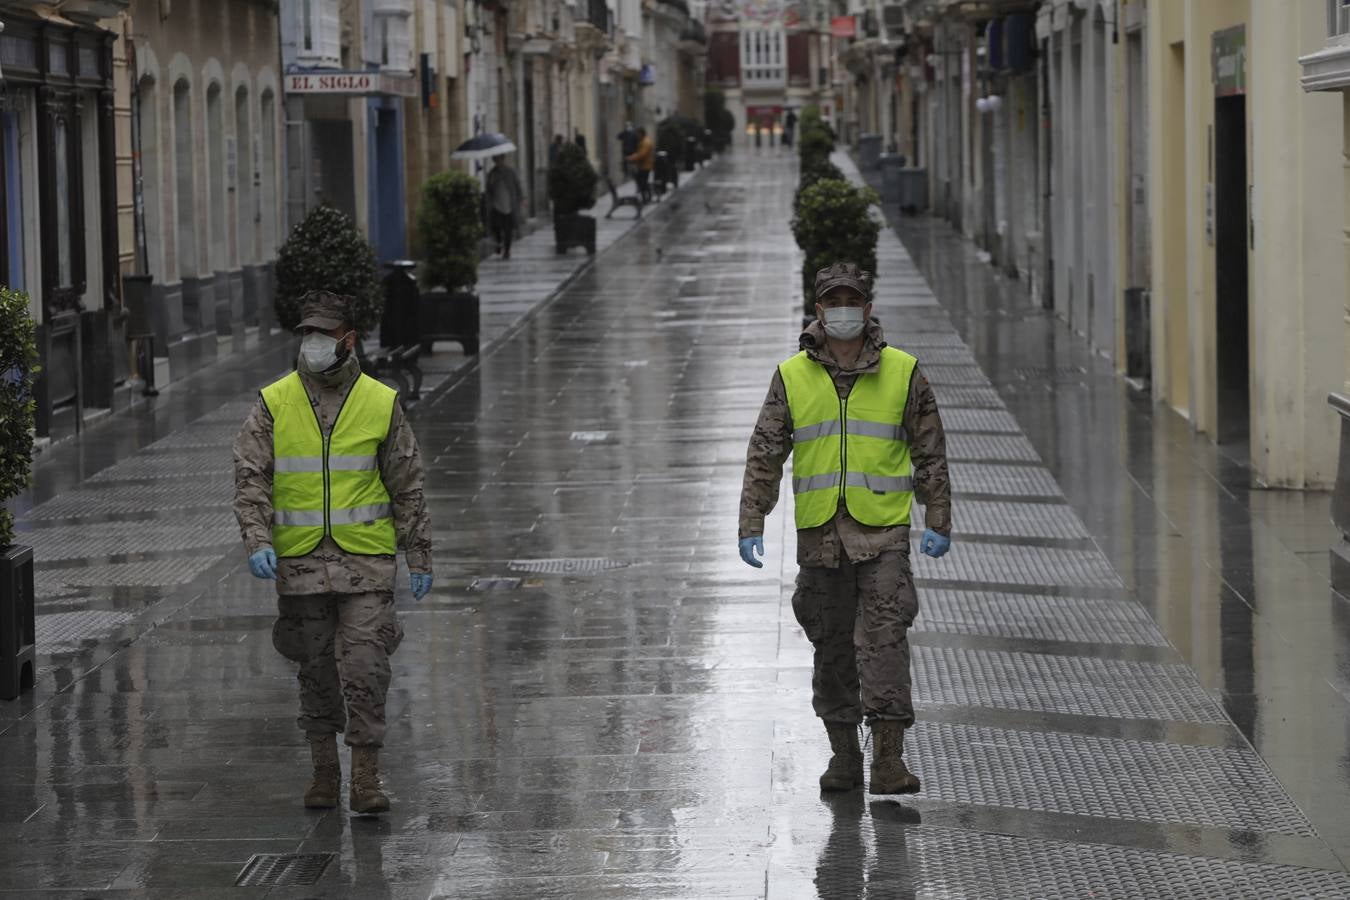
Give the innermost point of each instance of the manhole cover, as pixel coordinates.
(566, 566)
(283, 868)
(494, 584)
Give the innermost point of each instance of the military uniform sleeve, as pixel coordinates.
(928, 450)
(401, 470)
(770, 446)
(253, 478)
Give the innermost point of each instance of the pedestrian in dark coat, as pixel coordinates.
(505, 196)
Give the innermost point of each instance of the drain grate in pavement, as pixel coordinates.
(590, 437)
(573, 566)
(494, 584)
(145, 573)
(1015, 481)
(950, 398)
(957, 375)
(283, 868)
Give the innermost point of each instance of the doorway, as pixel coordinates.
(1230, 259)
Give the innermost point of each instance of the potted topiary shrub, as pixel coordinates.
(449, 227)
(327, 252)
(571, 189)
(834, 223)
(18, 364)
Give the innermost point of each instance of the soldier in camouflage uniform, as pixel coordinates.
(855, 596)
(336, 608)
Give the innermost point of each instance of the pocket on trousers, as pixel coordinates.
(807, 600)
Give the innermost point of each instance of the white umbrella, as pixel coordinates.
(484, 146)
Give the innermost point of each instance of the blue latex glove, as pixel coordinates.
(420, 585)
(934, 544)
(749, 548)
(263, 564)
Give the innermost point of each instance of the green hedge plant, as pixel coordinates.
(326, 252)
(18, 366)
(834, 223)
(571, 181)
(449, 227)
(671, 133)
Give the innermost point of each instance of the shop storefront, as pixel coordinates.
(347, 128)
(58, 234)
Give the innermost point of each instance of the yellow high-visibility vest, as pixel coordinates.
(854, 449)
(330, 485)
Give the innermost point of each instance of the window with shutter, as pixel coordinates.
(330, 32)
(431, 33)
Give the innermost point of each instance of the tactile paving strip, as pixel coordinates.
(1072, 685)
(1011, 447)
(951, 862)
(920, 340)
(71, 628)
(951, 398)
(1013, 481)
(1111, 778)
(149, 573)
(582, 566)
(944, 356)
(84, 541)
(996, 420)
(233, 413)
(1039, 617)
(165, 465)
(1002, 564)
(210, 434)
(1032, 520)
(136, 498)
(963, 375)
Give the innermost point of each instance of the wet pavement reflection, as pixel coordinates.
(1128, 683)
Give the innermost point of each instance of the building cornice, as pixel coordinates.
(1327, 69)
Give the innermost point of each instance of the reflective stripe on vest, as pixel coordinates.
(854, 448)
(330, 486)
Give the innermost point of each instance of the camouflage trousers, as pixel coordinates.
(857, 618)
(342, 643)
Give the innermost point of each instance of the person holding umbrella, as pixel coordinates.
(504, 194)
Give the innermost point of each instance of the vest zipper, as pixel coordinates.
(324, 438)
(843, 450)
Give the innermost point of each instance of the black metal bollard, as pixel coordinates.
(398, 324)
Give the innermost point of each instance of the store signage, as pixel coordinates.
(1230, 61)
(359, 83)
(844, 26)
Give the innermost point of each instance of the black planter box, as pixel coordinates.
(446, 316)
(18, 636)
(574, 231)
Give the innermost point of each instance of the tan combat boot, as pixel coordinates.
(327, 779)
(889, 774)
(366, 796)
(845, 771)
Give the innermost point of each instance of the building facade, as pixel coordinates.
(1152, 172)
(63, 145)
(207, 184)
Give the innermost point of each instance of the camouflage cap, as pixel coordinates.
(325, 310)
(843, 274)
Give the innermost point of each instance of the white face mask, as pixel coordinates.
(319, 351)
(844, 323)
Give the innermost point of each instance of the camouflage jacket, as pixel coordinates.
(329, 569)
(771, 444)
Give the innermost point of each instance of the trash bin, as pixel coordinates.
(913, 190)
(891, 165)
(869, 150)
(398, 325)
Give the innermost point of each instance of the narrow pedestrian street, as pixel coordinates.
(1126, 672)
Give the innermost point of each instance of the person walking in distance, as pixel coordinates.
(644, 161)
(861, 423)
(505, 197)
(328, 486)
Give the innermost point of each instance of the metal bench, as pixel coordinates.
(398, 363)
(634, 201)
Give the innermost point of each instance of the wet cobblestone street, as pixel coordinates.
(599, 699)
